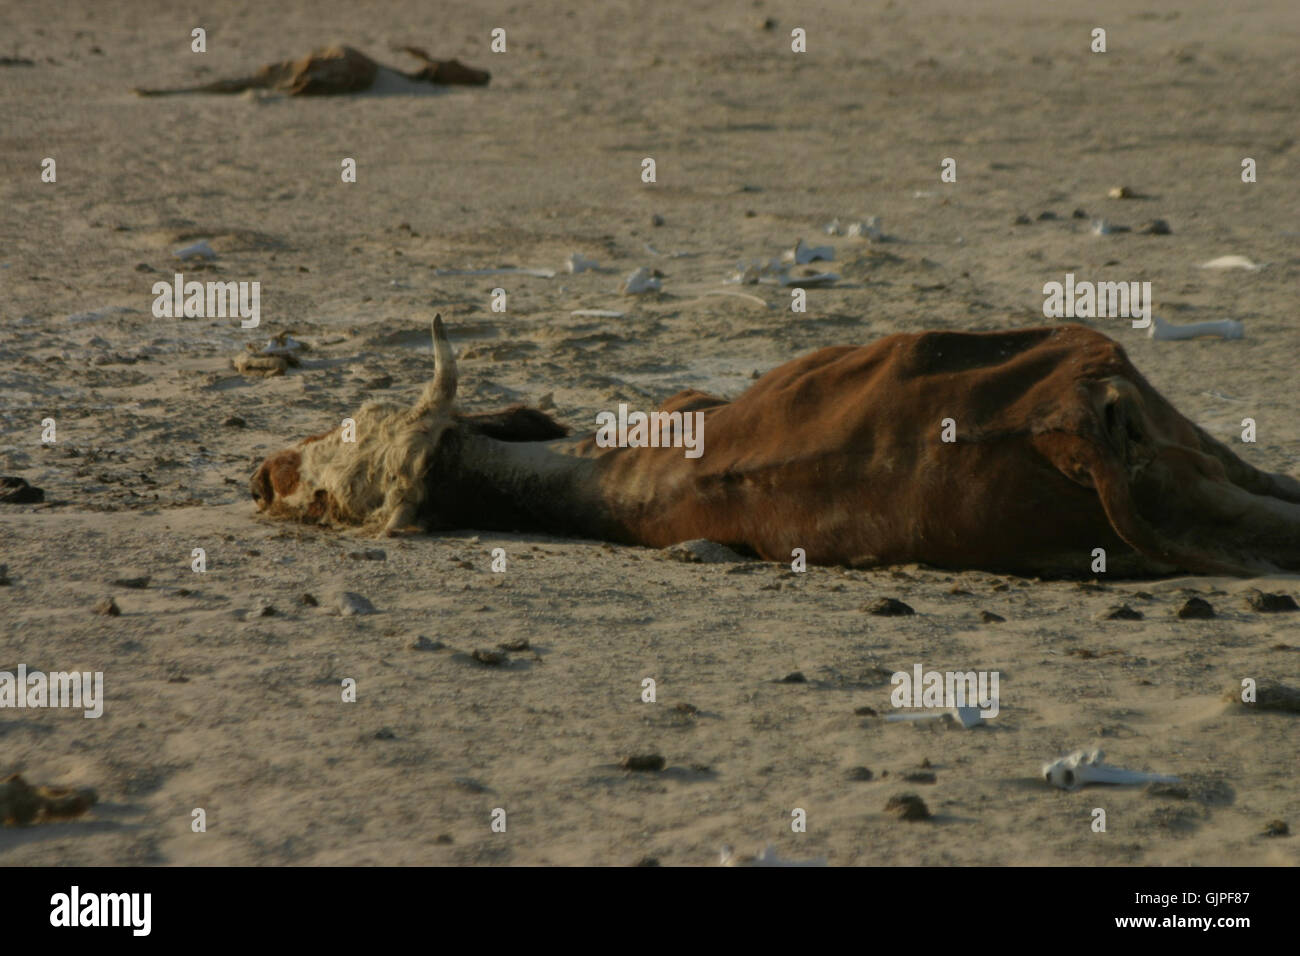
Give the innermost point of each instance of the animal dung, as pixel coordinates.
(107, 607)
(1085, 767)
(16, 491)
(1270, 603)
(802, 253)
(1269, 695)
(21, 804)
(889, 607)
(195, 250)
(643, 763)
(1232, 262)
(908, 806)
(1196, 609)
(1160, 330)
(641, 281)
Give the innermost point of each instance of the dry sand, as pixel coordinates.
(210, 705)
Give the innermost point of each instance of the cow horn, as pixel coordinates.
(442, 389)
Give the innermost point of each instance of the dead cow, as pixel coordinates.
(1061, 447)
(334, 70)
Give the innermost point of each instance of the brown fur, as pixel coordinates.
(1062, 447)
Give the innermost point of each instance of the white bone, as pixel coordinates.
(1232, 262)
(767, 858)
(1165, 331)
(197, 250)
(1084, 767)
(578, 263)
(641, 281)
(968, 717)
(802, 253)
(867, 230)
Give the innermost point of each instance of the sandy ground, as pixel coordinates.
(211, 705)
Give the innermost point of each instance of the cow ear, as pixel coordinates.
(516, 423)
(442, 390)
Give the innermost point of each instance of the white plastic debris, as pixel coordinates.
(196, 250)
(641, 281)
(578, 263)
(1161, 330)
(767, 858)
(1232, 262)
(1084, 767)
(802, 253)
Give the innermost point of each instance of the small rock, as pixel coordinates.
(1270, 603)
(4, 576)
(864, 711)
(1046, 216)
(350, 603)
(1154, 227)
(519, 644)
(234, 421)
(650, 763)
(546, 402)
(908, 806)
(384, 733)
(919, 776)
(888, 607)
(423, 643)
(1276, 828)
(144, 267)
(685, 708)
(444, 839)
(1121, 192)
(379, 382)
(370, 554)
(1269, 695)
(988, 617)
(1079, 214)
(108, 607)
(1121, 613)
(135, 583)
(1022, 220)
(795, 677)
(308, 600)
(1196, 609)
(860, 773)
(702, 551)
(656, 220)
(490, 658)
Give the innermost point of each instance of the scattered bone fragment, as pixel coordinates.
(1233, 262)
(768, 857)
(802, 253)
(196, 250)
(1084, 767)
(1161, 331)
(641, 281)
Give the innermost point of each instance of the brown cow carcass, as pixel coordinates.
(1018, 451)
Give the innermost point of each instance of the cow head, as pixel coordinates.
(373, 474)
